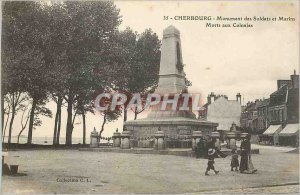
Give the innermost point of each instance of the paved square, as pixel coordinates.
(51, 171)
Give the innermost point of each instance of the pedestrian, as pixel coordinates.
(244, 160)
(234, 160)
(246, 165)
(200, 149)
(244, 156)
(211, 161)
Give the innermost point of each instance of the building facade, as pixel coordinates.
(220, 110)
(262, 113)
(284, 102)
(249, 117)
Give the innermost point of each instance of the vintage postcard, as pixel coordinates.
(150, 97)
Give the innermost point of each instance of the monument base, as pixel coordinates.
(177, 130)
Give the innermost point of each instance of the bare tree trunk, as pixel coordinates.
(14, 103)
(8, 115)
(84, 127)
(22, 124)
(31, 120)
(135, 113)
(11, 124)
(125, 118)
(69, 127)
(55, 126)
(56, 122)
(102, 126)
(58, 126)
(20, 134)
(125, 115)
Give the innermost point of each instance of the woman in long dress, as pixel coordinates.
(246, 165)
(244, 160)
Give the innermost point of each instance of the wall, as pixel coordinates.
(224, 112)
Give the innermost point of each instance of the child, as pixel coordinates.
(211, 161)
(234, 160)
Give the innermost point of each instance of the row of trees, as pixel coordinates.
(68, 53)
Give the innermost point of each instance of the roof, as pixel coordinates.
(280, 96)
(263, 103)
(290, 129)
(205, 105)
(272, 130)
(280, 91)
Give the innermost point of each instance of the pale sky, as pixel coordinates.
(221, 60)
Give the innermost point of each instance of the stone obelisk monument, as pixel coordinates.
(171, 73)
(174, 123)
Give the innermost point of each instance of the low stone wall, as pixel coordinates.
(178, 152)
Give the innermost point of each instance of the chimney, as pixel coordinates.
(295, 80)
(212, 97)
(239, 98)
(208, 99)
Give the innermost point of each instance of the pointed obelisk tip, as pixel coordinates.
(171, 30)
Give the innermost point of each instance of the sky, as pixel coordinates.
(220, 60)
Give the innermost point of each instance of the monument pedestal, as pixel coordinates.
(94, 139)
(196, 136)
(171, 126)
(125, 143)
(116, 139)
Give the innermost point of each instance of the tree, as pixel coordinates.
(74, 37)
(89, 31)
(39, 110)
(25, 33)
(56, 58)
(142, 58)
(24, 120)
(57, 123)
(13, 60)
(15, 102)
(84, 105)
(109, 116)
(7, 112)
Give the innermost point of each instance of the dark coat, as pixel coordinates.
(244, 161)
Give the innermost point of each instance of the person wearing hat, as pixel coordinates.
(211, 161)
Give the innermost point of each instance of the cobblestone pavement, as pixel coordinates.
(72, 171)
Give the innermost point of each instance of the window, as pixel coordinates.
(280, 115)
